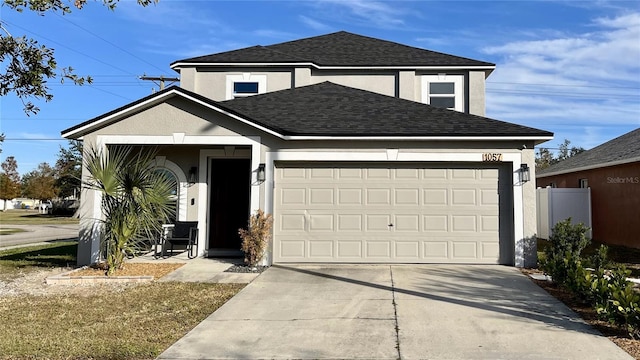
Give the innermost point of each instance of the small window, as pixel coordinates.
(583, 183)
(443, 91)
(245, 88)
(245, 84)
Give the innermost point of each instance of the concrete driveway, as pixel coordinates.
(393, 312)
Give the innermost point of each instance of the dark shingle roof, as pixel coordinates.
(620, 149)
(339, 49)
(328, 109)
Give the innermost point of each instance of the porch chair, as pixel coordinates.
(183, 233)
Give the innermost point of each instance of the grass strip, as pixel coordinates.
(137, 323)
(17, 261)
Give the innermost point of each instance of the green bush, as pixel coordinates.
(599, 259)
(566, 242)
(610, 293)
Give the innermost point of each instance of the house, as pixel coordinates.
(612, 171)
(364, 151)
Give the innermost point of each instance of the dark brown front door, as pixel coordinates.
(229, 204)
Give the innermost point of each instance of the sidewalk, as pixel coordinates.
(200, 269)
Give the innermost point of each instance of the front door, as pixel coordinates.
(229, 205)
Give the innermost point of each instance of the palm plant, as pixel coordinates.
(135, 199)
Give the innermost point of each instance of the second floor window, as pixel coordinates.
(241, 89)
(245, 84)
(443, 91)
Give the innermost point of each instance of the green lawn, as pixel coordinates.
(32, 217)
(17, 261)
(139, 322)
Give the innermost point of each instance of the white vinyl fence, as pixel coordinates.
(558, 204)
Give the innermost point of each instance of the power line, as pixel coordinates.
(70, 49)
(109, 42)
(29, 139)
(160, 78)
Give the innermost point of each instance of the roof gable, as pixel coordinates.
(622, 149)
(340, 49)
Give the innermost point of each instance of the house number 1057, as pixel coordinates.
(492, 157)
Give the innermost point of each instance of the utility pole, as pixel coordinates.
(161, 79)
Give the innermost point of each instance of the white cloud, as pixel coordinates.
(314, 24)
(579, 82)
(377, 14)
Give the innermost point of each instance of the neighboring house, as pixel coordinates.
(333, 136)
(612, 171)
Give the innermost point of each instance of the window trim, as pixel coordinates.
(261, 80)
(458, 88)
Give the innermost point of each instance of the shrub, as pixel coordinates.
(619, 302)
(566, 242)
(599, 259)
(256, 238)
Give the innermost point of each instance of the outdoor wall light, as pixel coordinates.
(261, 173)
(524, 173)
(193, 175)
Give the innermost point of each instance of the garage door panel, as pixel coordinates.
(349, 196)
(378, 250)
(320, 196)
(378, 214)
(407, 222)
(350, 222)
(320, 249)
(377, 222)
(407, 196)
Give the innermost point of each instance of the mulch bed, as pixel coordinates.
(589, 315)
(157, 270)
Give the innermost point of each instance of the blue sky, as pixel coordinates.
(570, 67)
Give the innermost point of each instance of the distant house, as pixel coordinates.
(612, 171)
(364, 151)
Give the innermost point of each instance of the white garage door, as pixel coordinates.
(386, 214)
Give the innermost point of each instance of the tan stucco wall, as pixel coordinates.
(302, 77)
(213, 84)
(407, 85)
(477, 93)
(188, 79)
(530, 213)
(382, 83)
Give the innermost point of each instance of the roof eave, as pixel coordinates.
(589, 167)
(487, 68)
(414, 138)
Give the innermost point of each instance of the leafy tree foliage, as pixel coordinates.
(69, 169)
(9, 180)
(40, 183)
(546, 158)
(27, 65)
